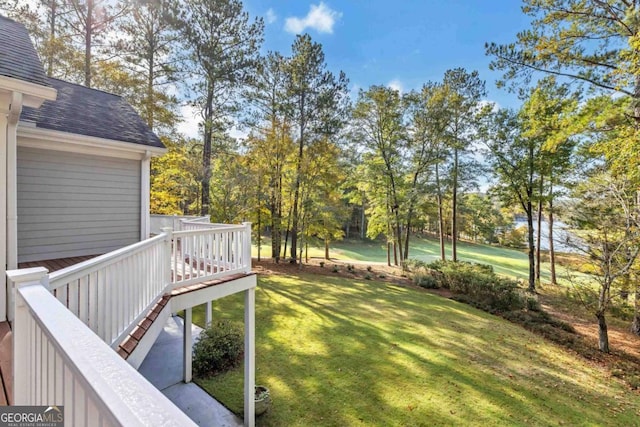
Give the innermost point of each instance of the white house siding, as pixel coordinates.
(73, 204)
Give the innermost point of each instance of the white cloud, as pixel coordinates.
(354, 91)
(396, 84)
(238, 133)
(191, 119)
(320, 18)
(190, 125)
(271, 16)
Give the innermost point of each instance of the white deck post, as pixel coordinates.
(188, 346)
(207, 314)
(247, 247)
(12, 181)
(145, 188)
(168, 252)
(5, 102)
(21, 344)
(249, 357)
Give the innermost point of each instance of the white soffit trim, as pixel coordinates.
(34, 94)
(31, 136)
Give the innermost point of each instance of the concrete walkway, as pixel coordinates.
(163, 368)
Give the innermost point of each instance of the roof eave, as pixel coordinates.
(34, 94)
(28, 131)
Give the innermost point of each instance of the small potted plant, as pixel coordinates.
(262, 400)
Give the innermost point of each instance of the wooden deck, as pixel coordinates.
(6, 341)
(56, 264)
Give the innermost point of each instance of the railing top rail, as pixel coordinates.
(197, 220)
(213, 229)
(115, 385)
(77, 270)
(208, 225)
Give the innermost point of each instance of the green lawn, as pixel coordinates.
(339, 352)
(505, 261)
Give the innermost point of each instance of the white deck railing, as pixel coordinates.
(113, 292)
(205, 253)
(58, 361)
(65, 322)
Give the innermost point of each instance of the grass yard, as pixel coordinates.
(342, 352)
(509, 262)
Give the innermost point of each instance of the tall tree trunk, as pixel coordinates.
(454, 208)
(532, 259)
(326, 248)
(389, 254)
(150, 95)
(363, 231)
(275, 250)
(407, 233)
(603, 334)
(635, 325)
(206, 154)
(395, 252)
(87, 43)
(259, 225)
(552, 252)
(539, 234)
(52, 36)
(296, 194)
(286, 235)
(443, 255)
(276, 233)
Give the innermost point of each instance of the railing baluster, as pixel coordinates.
(83, 300)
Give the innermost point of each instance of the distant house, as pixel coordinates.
(76, 162)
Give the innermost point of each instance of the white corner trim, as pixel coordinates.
(35, 94)
(30, 136)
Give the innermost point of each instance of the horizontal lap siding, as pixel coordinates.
(74, 204)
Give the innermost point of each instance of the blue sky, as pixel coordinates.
(398, 43)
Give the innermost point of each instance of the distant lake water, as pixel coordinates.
(560, 234)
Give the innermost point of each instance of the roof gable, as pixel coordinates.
(91, 112)
(18, 57)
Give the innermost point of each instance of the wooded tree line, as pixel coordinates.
(318, 162)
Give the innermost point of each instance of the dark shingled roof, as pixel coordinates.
(91, 112)
(18, 57)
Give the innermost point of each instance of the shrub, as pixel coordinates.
(533, 304)
(219, 348)
(368, 276)
(322, 264)
(369, 268)
(350, 268)
(335, 269)
(426, 280)
(480, 284)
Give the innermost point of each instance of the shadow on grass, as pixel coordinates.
(343, 352)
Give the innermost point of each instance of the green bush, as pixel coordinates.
(219, 348)
(426, 280)
(335, 269)
(533, 304)
(481, 285)
(322, 264)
